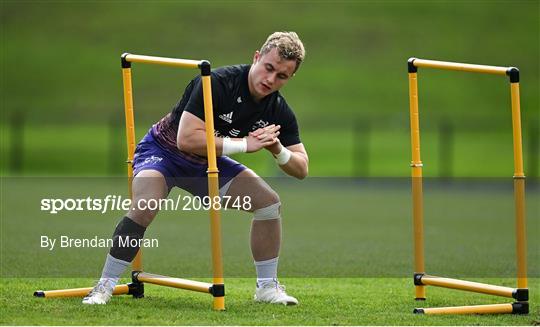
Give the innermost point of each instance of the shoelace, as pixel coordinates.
(274, 284)
(99, 288)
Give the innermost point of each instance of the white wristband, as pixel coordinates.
(231, 146)
(283, 156)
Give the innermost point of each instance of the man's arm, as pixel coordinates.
(191, 137)
(298, 164)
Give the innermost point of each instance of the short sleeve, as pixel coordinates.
(289, 134)
(195, 103)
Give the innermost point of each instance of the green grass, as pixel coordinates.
(346, 253)
(62, 64)
(323, 301)
(332, 228)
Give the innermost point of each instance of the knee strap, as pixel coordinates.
(125, 231)
(270, 212)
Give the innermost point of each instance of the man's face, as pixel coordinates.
(269, 73)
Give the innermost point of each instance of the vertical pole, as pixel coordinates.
(213, 189)
(416, 166)
(519, 187)
(130, 138)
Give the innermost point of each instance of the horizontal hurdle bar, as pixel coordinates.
(518, 294)
(497, 70)
(186, 63)
(516, 307)
(173, 282)
(80, 292)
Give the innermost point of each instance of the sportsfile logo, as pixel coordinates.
(227, 117)
(119, 203)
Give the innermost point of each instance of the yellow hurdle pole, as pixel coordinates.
(130, 123)
(213, 190)
(459, 66)
(186, 284)
(471, 309)
(519, 182)
(464, 285)
(218, 288)
(79, 292)
(184, 63)
(521, 235)
(416, 167)
(130, 139)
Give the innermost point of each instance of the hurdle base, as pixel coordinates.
(513, 308)
(144, 277)
(39, 293)
(520, 308)
(217, 290)
(136, 288)
(519, 294)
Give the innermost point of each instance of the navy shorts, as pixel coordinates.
(183, 171)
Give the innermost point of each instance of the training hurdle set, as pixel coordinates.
(421, 279)
(139, 277)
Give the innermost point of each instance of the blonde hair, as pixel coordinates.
(288, 44)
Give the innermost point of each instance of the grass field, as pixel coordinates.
(347, 249)
(332, 228)
(346, 254)
(323, 301)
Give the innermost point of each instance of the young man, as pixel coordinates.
(249, 115)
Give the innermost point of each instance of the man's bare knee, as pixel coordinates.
(266, 198)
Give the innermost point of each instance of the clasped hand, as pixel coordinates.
(265, 137)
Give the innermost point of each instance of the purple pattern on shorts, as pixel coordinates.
(179, 170)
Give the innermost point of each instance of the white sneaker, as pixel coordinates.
(273, 292)
(100, 294)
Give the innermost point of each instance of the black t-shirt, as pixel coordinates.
(235, 112)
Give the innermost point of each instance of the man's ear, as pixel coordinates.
(256, 56)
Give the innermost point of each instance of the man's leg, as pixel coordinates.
(265, 234)
(147, 185)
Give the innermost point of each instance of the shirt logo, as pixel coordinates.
(239, 100)
(259, 124)
(227, 117)
(234, 132)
